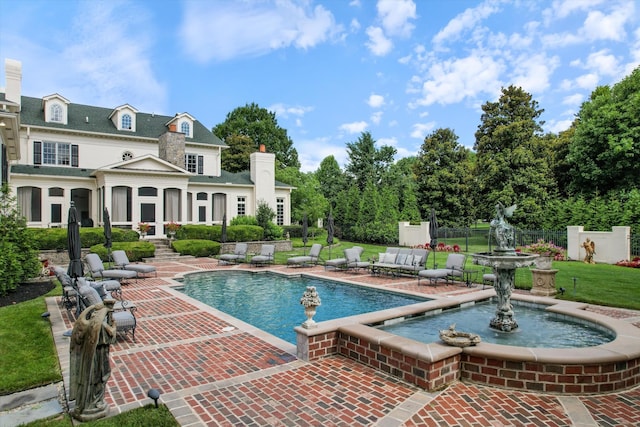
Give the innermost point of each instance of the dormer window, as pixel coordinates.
(55, 108)
(124, 118)
(56, 113)
(126, 122)
(186, 129)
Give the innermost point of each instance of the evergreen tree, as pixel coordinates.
(331, 179)
(366, 162)
(511, 163)
(443, 176)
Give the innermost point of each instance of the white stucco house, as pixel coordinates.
(142, 167)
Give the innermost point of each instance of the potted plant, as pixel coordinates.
(144, 228)
(548, 251)
(171, 228)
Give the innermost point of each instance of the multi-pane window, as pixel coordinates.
(185, 128)
(56, 113)
(194, 163)
(280, 211)
(126, 121)
(242, 205)
(55, 153)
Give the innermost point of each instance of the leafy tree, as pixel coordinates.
(366, 162)
(331, 179)
(443, 175)
(605, 147)
(261, 126)
(236, 157)
(18, 258)
(511, 166)
(306, 198)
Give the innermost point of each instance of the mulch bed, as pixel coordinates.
(26, 292)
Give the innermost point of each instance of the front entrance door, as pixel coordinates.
(148, 215)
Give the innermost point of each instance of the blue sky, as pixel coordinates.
(329, 69)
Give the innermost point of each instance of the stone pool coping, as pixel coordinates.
(611, 366)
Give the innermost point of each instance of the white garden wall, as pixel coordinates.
(611, 246)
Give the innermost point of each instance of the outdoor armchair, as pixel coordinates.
(124, 317)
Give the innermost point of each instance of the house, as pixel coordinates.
(142, 167)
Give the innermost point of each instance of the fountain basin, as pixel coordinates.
(504, 260)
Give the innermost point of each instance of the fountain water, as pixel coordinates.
(504, 260)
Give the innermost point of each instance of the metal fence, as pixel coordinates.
(523, 237)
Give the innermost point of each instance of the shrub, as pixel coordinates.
(197, 247)
(18, 258)
(56, 238)
(201, 232)
(136, 251)
(244, 220)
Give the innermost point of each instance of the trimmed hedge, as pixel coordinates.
(135, 250)
(196, 247)
(235, 233)
(56, 238)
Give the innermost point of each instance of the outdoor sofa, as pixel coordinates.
(397, 261)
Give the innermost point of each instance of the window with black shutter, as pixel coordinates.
(200, 165)
(37, 152)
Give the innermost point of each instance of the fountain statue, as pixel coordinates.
(504, 260)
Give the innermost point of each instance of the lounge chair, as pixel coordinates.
(239, 254)
(353, 259)
(124, 317)
(265, 257)
(98, 271)
(453, 270)
(304, 260)
(341, 263)
(121, 260)
(70, 292)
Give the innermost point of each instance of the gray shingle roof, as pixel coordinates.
(147, 125)
(51, 171)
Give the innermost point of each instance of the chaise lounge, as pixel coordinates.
(453, 270)
(121, 260)
(238, 255)
(305, 260)
(265, 257)
(341, 263)
(96, 267)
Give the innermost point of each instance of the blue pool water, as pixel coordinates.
(537, 328)
(271, 302)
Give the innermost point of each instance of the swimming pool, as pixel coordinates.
(537, 328)
(271, 301)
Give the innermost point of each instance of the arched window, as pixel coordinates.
(185, 128)
(56, 113)
(126, 121)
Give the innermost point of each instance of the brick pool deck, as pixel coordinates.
(214, 370)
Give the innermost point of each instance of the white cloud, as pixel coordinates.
(376, 117)
(603, 63)
(391, 142)
(597, 25)
(219, 31)
(395, 15)
(375, 101)
(557, 126)
(562, 8)
(420, 130)
(311, 152)
(533, 72)
(354, 26)
(355, 127)
(378, 44)
(104, 75)
(453, 80)
(575, 99)
(587, 81)
(465, 21)
(286, 111)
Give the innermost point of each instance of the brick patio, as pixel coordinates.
(215, 371)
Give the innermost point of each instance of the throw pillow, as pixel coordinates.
(409, 260)
(402, 259)
(381, 256)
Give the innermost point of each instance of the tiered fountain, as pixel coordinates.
(504, 260)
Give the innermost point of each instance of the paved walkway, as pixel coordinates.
(214, 370)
